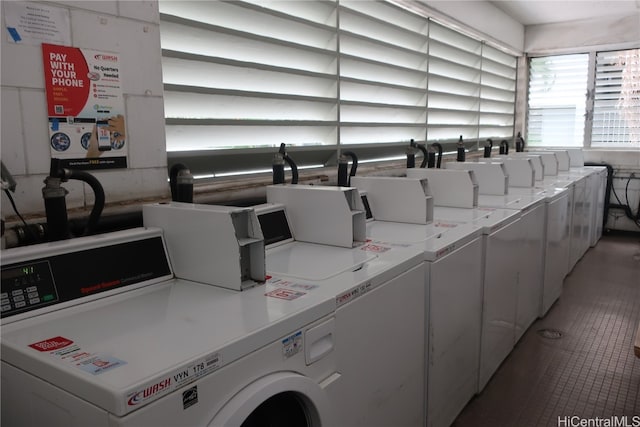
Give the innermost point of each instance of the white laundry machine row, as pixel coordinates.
(455, 194)
(379, 291)
(584, 182)
(521, 175)
(110, 337)
(493, 188)
(577, 186)
(400, 215)
(597, 180)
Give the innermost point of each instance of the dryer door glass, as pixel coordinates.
(283, 410)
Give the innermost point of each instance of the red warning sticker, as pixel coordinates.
(51, 344)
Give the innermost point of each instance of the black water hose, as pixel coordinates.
(461, 154)
(431, 157)
(411, 154)
(425, 155)
(294, 169)
(278, 169)
(98, 204)
(439, 147)
(487, 148)
(55, 205)
(344, 178)
(519, 143)
(278, 166)
(181, 183)
(504, 147)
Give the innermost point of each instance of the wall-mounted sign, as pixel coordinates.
(85, 107)
(35, 23)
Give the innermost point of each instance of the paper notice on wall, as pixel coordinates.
(35, 23)
(85, 107)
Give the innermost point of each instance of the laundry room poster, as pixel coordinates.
(87, 128)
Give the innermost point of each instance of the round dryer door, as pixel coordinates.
(284, 399)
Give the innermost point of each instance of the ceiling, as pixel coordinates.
(532, 12)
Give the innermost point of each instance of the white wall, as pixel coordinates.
(583, 36)
(485, 19)
(130, 28)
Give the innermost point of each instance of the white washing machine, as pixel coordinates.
(108, 337)
(453, 258)
(379, 292)
(493, 187)
(585, 206)
(557, 226)
(577, 187)
(588, 206)
(576, 160)
(455, 194)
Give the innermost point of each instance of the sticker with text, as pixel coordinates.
(274, 281)
(372, 247)
(70, 352)
(286, 294)
(292, 345)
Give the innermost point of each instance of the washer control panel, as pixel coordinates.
(80, 270)
(26, 286)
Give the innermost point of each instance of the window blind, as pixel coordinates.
(497, 95)
(616, 108)
(243, 76)
(383, 73)
(557, 100)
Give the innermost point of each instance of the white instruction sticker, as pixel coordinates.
(70, 352)
(292, 345)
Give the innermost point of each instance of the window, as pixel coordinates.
(616, 105)
(557, 100)
(241, 77)
(561, 95)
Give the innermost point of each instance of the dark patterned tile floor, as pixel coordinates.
(590, 371)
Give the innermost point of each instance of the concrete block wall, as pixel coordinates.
(130, 28)
(625, 164)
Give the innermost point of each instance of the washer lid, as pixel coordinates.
(511, 201)
(340, 273)
(550, 193)
(124, 351)
(490, 219)
(435, 240)
(309, 261)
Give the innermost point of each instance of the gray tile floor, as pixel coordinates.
(590, 371)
